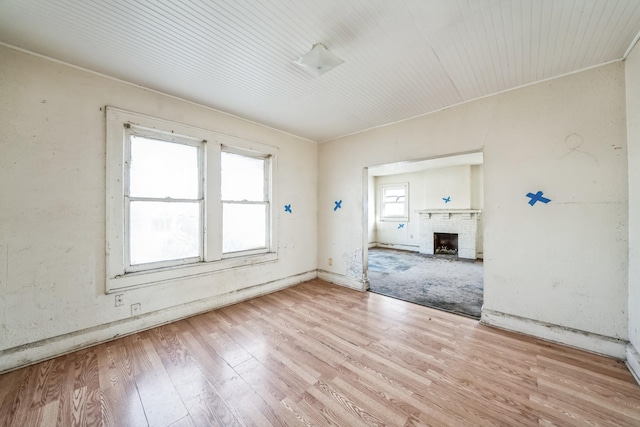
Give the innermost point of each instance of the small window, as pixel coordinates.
(395, 202)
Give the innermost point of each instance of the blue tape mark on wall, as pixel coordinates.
(338, 205)
(447, 199)
(537, 198)
(400, 226)
(287, 208)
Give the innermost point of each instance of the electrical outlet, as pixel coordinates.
(330, 261)
(119, 300)
(136, 309)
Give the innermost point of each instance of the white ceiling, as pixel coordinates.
(402, 58)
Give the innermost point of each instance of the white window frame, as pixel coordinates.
(268, 159)
(396, 218)
(118, 126)
(135, 130)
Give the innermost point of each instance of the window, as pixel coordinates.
(395, 202)
(183, 201)
(245, 203)
(163, 200)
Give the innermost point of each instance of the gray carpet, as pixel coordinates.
(439, 282)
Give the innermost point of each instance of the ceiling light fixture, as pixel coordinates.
(318, 60)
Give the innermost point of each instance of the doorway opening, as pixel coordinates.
(420, 254)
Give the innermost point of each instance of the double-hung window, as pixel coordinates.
(395, 202)
(245, 201)
(184, 201)
(163, 201)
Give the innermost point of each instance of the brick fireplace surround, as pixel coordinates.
(463, 222)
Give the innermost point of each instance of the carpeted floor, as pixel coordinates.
(439, 282)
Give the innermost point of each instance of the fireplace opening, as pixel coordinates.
(445, 244)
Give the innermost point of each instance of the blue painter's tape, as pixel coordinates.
(537, 198)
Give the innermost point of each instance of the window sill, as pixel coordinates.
(149, 278)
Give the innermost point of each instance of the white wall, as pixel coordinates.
(462, 184)
(632, 68)
(52, 215)
(407, 237)
(558, 270)
(477, 202)
(371, 210)
(454, 182)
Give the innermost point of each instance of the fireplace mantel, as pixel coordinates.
(463, 222)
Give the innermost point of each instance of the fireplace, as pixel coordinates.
(445, 244)
(462, 223)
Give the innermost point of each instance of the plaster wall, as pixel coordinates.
(52, 216)
(556, 270)
(632, 68)
(388, 233)
(477, 202)
(372, 231)
(452, 182)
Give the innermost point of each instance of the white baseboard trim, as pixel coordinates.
(342, 280)
(39, 351)
(583, 340)
(633, 361)
(401, 247)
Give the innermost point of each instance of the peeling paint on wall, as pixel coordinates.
(52, 247)
(354, 263)
(525, 150)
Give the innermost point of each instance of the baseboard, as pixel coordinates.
(633, 362)
(400, 247)
(583, 340)
(342, 280)
(39, 351)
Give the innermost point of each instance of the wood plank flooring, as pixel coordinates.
(319, 354)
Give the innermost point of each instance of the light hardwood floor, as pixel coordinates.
(319, 354)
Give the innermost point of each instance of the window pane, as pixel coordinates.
(394, 195)
(393, 209)
(163, 169)
(242, 178)
(162, 231)
(244, 227)
(394, 201)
